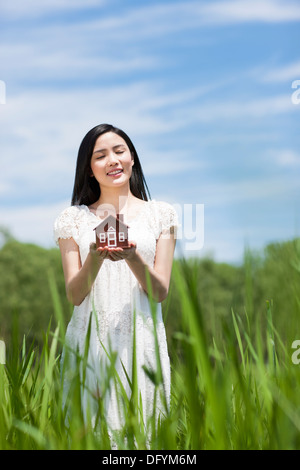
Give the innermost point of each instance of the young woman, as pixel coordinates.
(113, 282)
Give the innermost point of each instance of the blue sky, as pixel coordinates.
(203, 88)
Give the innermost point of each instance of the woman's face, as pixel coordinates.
(111, 161)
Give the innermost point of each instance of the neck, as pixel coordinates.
(119, 198)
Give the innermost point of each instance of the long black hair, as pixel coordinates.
(86, 189)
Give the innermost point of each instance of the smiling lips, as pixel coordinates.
(115, 172)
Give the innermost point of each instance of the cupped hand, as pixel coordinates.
(98, 253)
(118, 253)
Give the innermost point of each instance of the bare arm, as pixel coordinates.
(160, 274)
(79, 278)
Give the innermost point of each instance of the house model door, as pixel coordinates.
(111, 238)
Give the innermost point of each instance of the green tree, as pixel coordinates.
(24, 288)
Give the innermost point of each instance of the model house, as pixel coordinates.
(112, 232)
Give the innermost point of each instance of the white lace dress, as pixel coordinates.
(115, 296)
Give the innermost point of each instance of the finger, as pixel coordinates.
(102, 252)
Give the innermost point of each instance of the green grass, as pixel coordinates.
(237, 389)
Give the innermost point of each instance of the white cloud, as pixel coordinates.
(162, 19)
(282, 73)
(169, 163)
(156, 15)
(41, 61)
(240, 11)
(16, 9)
(243, 109)
(285, 158)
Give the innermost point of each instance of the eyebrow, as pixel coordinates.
(114, 148)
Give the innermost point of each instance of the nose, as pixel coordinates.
(112, 159)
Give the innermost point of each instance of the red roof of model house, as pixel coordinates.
(112, 232)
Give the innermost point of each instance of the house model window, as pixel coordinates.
(112, 232)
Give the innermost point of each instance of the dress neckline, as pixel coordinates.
(146, 203)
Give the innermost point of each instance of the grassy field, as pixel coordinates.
(235, 383)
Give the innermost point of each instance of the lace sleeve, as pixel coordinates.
(65, 226)
(167, 219)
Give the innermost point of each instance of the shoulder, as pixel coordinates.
(163, 209)
(69, 214)
(67, 223)
(69, 211)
